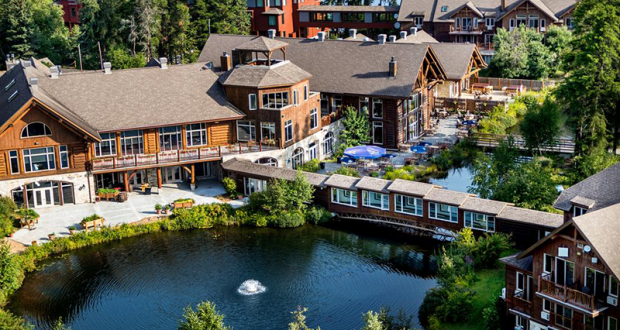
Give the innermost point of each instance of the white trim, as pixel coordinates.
(252, 106)
(353, 197)
(402, 202)
(437, 206)
(385, 200)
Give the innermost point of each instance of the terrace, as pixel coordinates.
(573, 298)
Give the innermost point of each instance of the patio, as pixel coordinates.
(58, 219)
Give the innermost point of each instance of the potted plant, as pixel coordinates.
(34, 243)
(51, 236)
(239, 196)
(72, 230)
(165, 209)
(158, 208)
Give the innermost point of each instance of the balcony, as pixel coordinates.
(468, 29)
(331, 118)
(574, 298)
(180, 156)
(520, 304)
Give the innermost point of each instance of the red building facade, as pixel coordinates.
(281, 16)
(71, 9)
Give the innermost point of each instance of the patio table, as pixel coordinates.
(482, 87)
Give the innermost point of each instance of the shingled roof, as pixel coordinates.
(411, 187)
(373, 184)
(603, 188)
(247, 167)
(357, 68)
(342, 181)
(262, 44)
(455, 58)
(351, 9)
(481, 205)
(518, 214)
(261, 76)
(420, 37)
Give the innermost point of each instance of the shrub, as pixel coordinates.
(348, 172)
(158, 207)
(184, 200)
(432, 300)
(490, 247)
(400, 173)
(288, 220)
(456, 304)
(7, 211)
(206, 317)
(8, 321)
(102, 191)
(374, 174)
(313, 166)
(10, 272)
(317, 215)
(230, 186)
(72, 228)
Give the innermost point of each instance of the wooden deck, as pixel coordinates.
(569, 296)
(422, 228)
(561, 146)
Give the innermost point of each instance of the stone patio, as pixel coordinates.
(58, 219)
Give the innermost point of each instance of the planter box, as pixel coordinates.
(108, 196)
(93, 224)
(183, 205)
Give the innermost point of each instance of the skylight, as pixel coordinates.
(444, 9)
(14, 95)
(9, 85)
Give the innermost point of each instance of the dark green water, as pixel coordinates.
(145, 282)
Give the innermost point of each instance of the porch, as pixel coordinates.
(58, 219)
(576, 299)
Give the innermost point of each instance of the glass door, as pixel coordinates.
(312, 151)
(172, 174)
(43, 197)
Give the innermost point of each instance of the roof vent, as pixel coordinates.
(107, 68)
(163, 63)
(54, 72)
(393, 67)
(321, 36)
(271, 33)
(27, 64)
(353, 33)
(414, 31)
(225, 62)
(381, 39)
(403, 35)
(34, 83)
(392, 39)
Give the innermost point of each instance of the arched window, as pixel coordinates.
(328, 144)
(36, 129)
(298, 157)
(269, 161)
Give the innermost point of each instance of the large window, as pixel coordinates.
(547, 264)
(336, 102)
(377, 108)
(408, 205)
(613, 286)
(170, 138)
(107, 146)
(322, 17)
(595, 282)
(246, 131)
(612, 323)
(377, 132)
(344, 197)
(328, 144)
(480, 221)
(39, 159)
(63, 152)
(268, 131)
(252, 101)
(131, 142)
(14, 161)
(577, 211)
(443, 212)
(252, 185)
(36, 129)
(324, 105)
(272, 20)
(353, 17)
(196, 134)
(314, 119)
(288, 130)
(376, 200)
(563, 316)
(275, 100)
(269, 161)
(298, 157)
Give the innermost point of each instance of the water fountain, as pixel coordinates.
(251, 287)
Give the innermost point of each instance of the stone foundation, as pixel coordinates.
(80, 181)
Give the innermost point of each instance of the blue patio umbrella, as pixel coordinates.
(424, 144)
(470, 122)
(419, 149)
(366, 152)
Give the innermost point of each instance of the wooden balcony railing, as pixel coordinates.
(520, 304)
(332, 117)
(566, 294)
(180, 156)
(466, 29)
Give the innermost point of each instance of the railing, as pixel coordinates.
(465, 29)
(472, 105)
(332, 117)
(498, 83)
(493, 140)
(521, 304)
(566, 294)
(180, 156)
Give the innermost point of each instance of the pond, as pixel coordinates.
(145, 282)
(457, 179)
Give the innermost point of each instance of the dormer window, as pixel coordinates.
(36, 129)
(444, 9)
(418, 20)
(577, 211)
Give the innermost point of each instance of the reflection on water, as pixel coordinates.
(145, 282)
(458, 179)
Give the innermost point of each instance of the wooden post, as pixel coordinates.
(219, 150)
(126, 181)
(159, 177)
(193, 175)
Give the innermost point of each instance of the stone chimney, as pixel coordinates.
(163, 63)
(34, 83)
(403, 35)
(503, 5)
(381, 39)
(107, 68)
(321, 36)
(414, 31)
(352, 33)
(54, 72)
(393, 67)
(225, 61)
(271, 33)
(392, 38)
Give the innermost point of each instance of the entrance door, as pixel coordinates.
(172, 174)
(43, 197)
(138, 179)
(313, 151)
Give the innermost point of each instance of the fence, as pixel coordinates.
(450, 103)
(498, 83)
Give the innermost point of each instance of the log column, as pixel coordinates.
(126, 181)
(193, 180)
(159, 177)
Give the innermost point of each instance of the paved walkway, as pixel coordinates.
(58, 219)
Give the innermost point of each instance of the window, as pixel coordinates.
(306, 95)
(36, 129)
(564, 272)
(377, 132)
(577, 211)
(595, 281)
(418, 21)
(443, 212)
(569, 23)
(377, 108)
(288, 130)
(467, 23)
(73, 13)
(282, 19)
(546, 305)
(272, 20)
(298, 157)
(457, 22)
(543, 24)
(521, 323)
(353, 17)
(444, 9)
(295, 100)
(490, 23)
(612, 323)
(259, 3)
(563, 316)
(480, 221)
(170, 138)
(64, 156)
(324, 105)
(408, 205)
(13, 96)
(512, 24)
(196, 134)
(252, 101)
(275, 100)
(475, 22)
(107, 146)
(364, 105)
(274, 3)
(593, 323)
(383, 17)
(39, 159)
(314, 119)
(322, 17)
(344, 197)
(336, 102)
(131, 142)
(14, 161)
(533, 21)
(376, 200)
(521, 20)
(246, 131)
(328, 144)
(9, 85)
(268, 131)
(269, 161)
(547, 264)
(520, 285)
(251, 185)
(613, 286)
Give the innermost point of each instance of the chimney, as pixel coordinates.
(34, 83)
(352, 33)
(225, 62)
(271, 33)
(393, 67)
(414, 31)
(54, 72)
(321, 36)
(403, 35)
(503, 5)
(392, 38)
(107, 68)
(381, 39)
(163, 63)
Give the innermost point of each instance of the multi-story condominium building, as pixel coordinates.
(281, 16)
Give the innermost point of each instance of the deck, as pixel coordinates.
(573, 298)
(561, 146)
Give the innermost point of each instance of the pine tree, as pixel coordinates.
(226, 17)
(17, 28)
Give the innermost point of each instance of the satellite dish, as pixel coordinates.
(587, 248)
(396, 15)
(397, 25)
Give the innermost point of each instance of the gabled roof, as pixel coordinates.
(373, 184)
(472, 7)
(455, 58)
(449, 197)
(603, 188)
(13, 81)
(274, 11)
(359, 37)
(537, 3)
(247, 167)
(357, 68)
(411, 187)
(487, 206)
(420, 37)
(522, 263)
(261, 76)
(262, 44)
(342, 181)
(540, 218)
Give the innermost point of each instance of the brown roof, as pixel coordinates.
(342, 181)
(420, 37)
(410, 187)
(273, 11)
(140, 98)
(359, 37)
(261, 44)
(602, 187)
(260, 76)
(350, 9)
(373, 184)
(518, 214)
(486, 206)
(522, 263)
(248, 167)
(340, 67)
(445, 196)
(454, 58)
